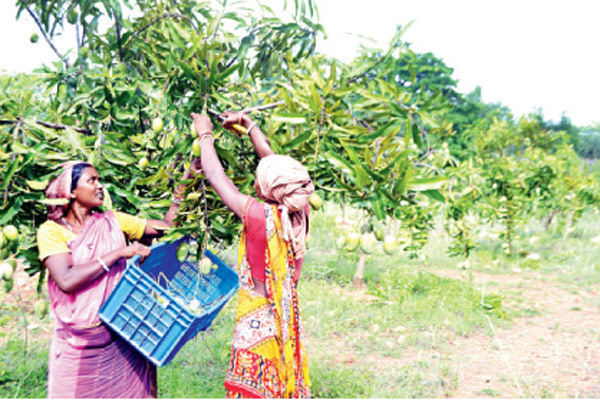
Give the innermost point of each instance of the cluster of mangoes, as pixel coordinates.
(9, 243)
(366, 238)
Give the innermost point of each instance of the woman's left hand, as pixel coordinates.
(231, 118)
(196, 167)
(202, 124)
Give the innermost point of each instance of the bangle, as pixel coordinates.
(252, 125)
(103, 264)
(176, 200)
(205, 134)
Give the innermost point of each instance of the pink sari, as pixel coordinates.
(86, 358)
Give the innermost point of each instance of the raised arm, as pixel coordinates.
(257, 137)
(211, 165)
(156, 227)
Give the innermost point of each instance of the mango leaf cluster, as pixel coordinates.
(363, 137)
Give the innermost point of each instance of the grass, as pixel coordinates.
(371, 343)
(23, 369)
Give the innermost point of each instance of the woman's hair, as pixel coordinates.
(76, 173)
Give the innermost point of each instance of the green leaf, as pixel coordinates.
(189, 71)
(407, 132)
(107, 204)
(289, 118)
(11, 171)
(12, 211)
(362, 178)
(435, 195)
(416, 134)
(298, 140)
(54, 202)
(160, 203)
(423, 184)
(377, 205)
(38, 185)
(391, 128)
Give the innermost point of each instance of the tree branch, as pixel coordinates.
(118, 29)
(264, 107)
(230, 62)
(37, 21)
(84, 29)
(47, 125)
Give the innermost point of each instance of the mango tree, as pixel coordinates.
(121, 100)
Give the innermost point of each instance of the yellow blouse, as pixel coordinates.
(52, 238)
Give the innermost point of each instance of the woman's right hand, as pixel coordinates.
(134, 249)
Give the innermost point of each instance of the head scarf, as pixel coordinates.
(60, 188)
(283, 180)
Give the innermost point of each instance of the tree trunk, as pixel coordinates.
(358, 276)
(550, 218)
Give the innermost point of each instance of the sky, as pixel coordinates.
(528, 54)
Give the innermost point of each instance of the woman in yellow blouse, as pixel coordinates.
(85, 252)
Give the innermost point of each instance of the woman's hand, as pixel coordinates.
(202, 124)
(134, 249)
(231, 118)
(195, 167)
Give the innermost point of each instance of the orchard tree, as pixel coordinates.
(121, 99)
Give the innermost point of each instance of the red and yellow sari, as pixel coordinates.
(268, 358)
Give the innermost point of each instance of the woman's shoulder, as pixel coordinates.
(48, 227)
(121, 217)
(51, 230)
(132, 225)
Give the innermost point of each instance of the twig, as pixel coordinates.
(77, 37)
(206, 221)
(230, 62)
(214, 36)
(47, 125)
(264, 107)
(12, 160)
(100, 140)
(143, 128)
(83, 34)
(37, 21)
(118, 31)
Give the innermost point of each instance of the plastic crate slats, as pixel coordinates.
(151, 315)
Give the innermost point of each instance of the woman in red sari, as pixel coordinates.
(85, 252)
(268, 357)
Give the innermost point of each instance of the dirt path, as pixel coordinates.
(555, 354)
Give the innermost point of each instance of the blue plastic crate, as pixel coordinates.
(147, 307)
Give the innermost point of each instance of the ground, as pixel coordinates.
(551, 352)
(554, 354)
(24, 294)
